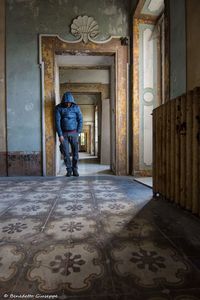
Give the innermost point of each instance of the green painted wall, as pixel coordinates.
(25, 19)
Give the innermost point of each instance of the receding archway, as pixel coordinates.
(52, 46)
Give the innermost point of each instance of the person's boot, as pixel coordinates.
(75, 173)
(69, 173)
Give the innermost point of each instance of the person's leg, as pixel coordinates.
(67, 159)
(74, 145)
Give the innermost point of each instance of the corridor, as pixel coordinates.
(95, 238)
(89, 165)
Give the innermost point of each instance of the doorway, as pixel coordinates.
(52, 46)
(88, 78)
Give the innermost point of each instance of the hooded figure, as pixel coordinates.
(69, 122)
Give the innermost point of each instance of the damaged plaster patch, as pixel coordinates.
(36, 12)
(24, 1)
(10, 112)
(119, 24)
(111, 30)
(21, 1)
(29, 106)
(30, 4)
(109, 11)
(117, 27)
(61, 2)
(10, 4)
(76, 9)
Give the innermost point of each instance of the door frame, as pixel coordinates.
(52, 45)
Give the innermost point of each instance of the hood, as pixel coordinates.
(67, 97)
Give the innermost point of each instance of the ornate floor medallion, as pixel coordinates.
(73, 268)
(149, 264)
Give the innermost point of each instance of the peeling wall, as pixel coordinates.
(25, 19)
(105, 132)
(193, 44)
(3, 161)
(177, 48)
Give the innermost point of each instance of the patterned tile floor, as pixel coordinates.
(95, 238)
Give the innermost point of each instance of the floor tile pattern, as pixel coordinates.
(95, 238)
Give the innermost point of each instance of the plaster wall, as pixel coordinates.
(81, 60)
(84, 76)
(105, 132)
(3, 170)
(177, 48)
(57, 101)
(25, 19)
(148, 73)
(193, 44)
(88, 113)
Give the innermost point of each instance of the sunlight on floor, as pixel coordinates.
(148, 181)
(89, 165)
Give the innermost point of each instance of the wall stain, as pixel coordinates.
(24, 163)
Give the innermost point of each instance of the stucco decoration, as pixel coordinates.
(85, 28)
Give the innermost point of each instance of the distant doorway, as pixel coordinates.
(94, 141)
(83, 142)
(89, 80)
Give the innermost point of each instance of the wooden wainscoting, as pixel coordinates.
(176, 148)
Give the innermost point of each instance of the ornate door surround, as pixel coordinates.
(52, 45)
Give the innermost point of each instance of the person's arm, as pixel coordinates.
(57, 123)
(79, 120)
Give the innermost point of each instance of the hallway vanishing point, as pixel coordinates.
(97, 237)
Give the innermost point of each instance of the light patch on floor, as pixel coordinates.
(148, 181)
(88, 165)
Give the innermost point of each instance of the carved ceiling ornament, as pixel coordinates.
(84, 28)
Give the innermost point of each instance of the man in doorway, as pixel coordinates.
(69, 122)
